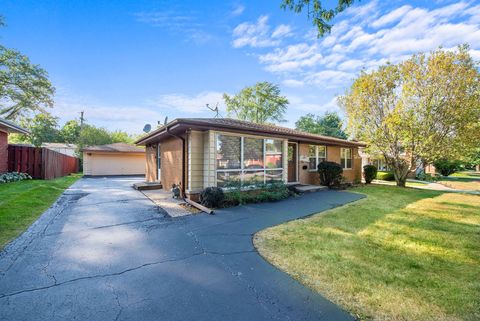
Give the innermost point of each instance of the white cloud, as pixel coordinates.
(294, 83)
(282, 31)
(292, 58)
(258, 34)
(368, 36)
(392, 16)
(189, 103)
(177, 22)
(238, 10)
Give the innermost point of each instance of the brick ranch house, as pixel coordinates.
(204, 152)
(7, 127)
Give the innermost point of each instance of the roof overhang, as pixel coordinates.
(177, 127)
(9, 127)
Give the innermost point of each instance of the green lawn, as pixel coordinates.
(399, 254)
(466, 183)
(21, 203)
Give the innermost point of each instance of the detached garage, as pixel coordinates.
(113, 159)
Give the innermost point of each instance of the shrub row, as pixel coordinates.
(13, 177)
(237, 194)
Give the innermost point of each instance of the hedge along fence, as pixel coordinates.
(40, 162)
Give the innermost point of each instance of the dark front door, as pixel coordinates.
(292, 162)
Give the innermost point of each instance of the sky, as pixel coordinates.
(131, 63)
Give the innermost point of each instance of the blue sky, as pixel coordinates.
(128, 63)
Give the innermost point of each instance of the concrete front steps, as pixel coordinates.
(304, 188)
(144, 186)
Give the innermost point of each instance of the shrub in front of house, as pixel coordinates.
(13, 177)
(212, 197)
(447, 167)
(252, 192)
(369, 173)
(385, 176)
(330, 173)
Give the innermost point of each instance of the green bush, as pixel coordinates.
(13, 177)
(385, 176)
(212, 197)
(447, 167)
(427, 177)
(330, 173)
(256, 193)
(369, 173)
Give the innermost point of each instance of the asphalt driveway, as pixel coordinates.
(105, 252)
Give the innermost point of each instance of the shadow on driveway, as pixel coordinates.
(104, 252)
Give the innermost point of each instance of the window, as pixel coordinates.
(316, 155)
(380, 164)
(228, 152)
(346, 158)
(248, 160)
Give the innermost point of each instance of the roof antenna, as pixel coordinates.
(214, 109)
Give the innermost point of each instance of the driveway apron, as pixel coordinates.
(105, 252)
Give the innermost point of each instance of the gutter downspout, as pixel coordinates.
(183, 159)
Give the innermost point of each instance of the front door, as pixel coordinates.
(292, 162)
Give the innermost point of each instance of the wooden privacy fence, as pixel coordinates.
(40, 162)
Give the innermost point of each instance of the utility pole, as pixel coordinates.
(81, 120)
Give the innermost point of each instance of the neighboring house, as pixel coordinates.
(113, 159)
(62, 148)
(7, 127)
(204, 152)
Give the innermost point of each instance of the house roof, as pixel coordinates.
(12, 127)
(230, 124)
(114, 148)
(59, 145)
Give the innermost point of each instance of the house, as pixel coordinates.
(62, 148)
(7, 127)
(113, 159)
(203, 152)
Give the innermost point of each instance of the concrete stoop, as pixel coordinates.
(145, 186)
(302, 188)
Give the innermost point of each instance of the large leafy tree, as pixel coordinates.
(317, 12)
(24, 86)
(43, 129)
(329, 124)
(70, 132)
(422, 110)
(261, 103)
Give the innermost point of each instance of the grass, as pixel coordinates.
(467, 174)
(21, 203)
(398, 254)
(466, 183)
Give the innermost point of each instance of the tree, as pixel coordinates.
(329, 124)
(119, 136)
(43, 129)
(92, 135)
(319, 14)
(70, 132)
(261, 103)
(422, 110)
(24, 87)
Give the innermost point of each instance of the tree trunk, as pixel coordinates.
(400, 170)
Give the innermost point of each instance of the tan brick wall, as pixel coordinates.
(151, 163)
(171, 158)
(3, 151)
(195, 161)
(209, 159)
(333, 155)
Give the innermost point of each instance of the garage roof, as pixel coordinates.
(114, 148)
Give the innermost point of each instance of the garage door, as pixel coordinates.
(114, 164)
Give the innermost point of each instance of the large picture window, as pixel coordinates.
(316, 155)
(248, 160)
(346, 158)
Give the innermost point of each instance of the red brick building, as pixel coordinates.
(7, 127)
